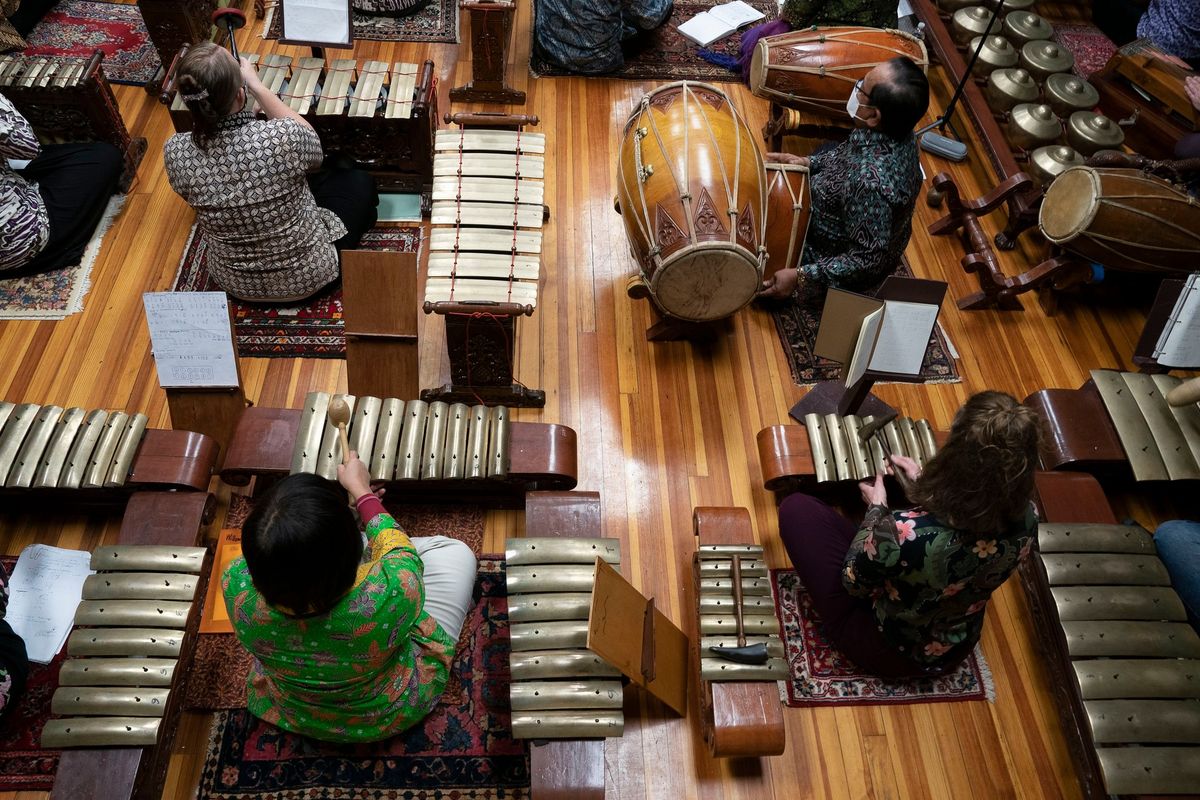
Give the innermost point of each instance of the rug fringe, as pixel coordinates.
(985, 672)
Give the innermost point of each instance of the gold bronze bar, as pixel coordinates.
(926, 438)
(147, 558)
(307, 452)
(723, 586)
(718, 669)
(541, 664)
(818, 445)
(860, 462)
(387, 439)
(34, 447)
(1115, 678)
(551, 578)
(1144, 721)
(548, 550)
(80, 454)
(498, 442)
(454, 457)
(1076, 537)
(102, 457)
(1120, 639)
(363, 426)
(912, 446)
(567, 724)
(707, 552)
(55, 455)
(133, 613)
(331, 442)
(1149, 770)
(838, 447)
(1102, 569)
(1168, 436)
(103, 701)
(123, 459)
(553, 606)
(1132, 428)
(477, 442)
(1118, 602)
(875, 449)
(542, 695)
(434, 444)
(140, 586)
(895, 442)
(6, 410)
(117, 672)
(774, 643)
(551, 635)
(726, 625)
(20, 420)
(100, 732)
(711, 604)
(151, 642)
(724, 569)
(408, 456)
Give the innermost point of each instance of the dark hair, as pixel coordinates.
(213, 81)
(901, 98)
(981, 480)
(302, 545)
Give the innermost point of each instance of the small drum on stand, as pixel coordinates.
(789, 206)
(1123, 219)
(814, 69)
(691, 189)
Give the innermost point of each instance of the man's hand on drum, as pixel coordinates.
(781, 285)
(787, 158)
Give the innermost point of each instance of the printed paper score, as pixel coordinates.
(192, 339)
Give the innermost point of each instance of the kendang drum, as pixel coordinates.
(1123, 219)
(691, 189)
(815, 68)
(789, 206)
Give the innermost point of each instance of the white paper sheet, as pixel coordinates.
(1179, 344)
(868, 339)
(45, 589)
(903, 337)
(736, 13)
(192, 339)
(316, 21)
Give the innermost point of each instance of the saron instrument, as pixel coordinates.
(815, 68)
(692, 191)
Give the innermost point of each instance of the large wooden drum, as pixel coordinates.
(691, 189)
(789, 205)
(815, 68)
(1123, 219)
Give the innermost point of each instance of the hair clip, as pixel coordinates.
(191, 98)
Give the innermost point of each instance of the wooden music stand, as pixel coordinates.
(379, 296)
(491, 31)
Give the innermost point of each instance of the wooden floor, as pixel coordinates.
(662, 428)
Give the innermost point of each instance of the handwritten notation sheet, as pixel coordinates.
(44, 592)
(192, 339)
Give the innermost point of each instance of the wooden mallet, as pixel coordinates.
(339, 416)
(743, 653)
(876, 426)
(231, 19)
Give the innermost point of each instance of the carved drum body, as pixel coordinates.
(691, 189)
(789, 206)
(1123, 219)
(815, 68)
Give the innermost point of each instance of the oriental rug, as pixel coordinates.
(665, 54)
(464, 749)
(436, 22)
(797, 325)
(1091, 48)
(77, 27)
(59, 293)
(310, 329)
(24, 765)
(822, 676)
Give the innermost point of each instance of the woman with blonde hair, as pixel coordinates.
(904, 593)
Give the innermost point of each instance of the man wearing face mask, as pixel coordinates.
(863, 190)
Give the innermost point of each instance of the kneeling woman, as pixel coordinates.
(274, 223)
(904, 594)
(352, 642)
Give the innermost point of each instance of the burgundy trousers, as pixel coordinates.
(817, 538)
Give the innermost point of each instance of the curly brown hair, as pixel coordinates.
(207, 74)
(981, 480)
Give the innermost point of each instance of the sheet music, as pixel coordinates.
(903, 337)
(192, 339)
(868, 340)
(45, 589)
(1179, 344)
(317, 21)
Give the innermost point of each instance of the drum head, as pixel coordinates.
(1070, 204)
(704, 283)
(758, 66)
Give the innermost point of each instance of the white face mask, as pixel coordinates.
(852, 104)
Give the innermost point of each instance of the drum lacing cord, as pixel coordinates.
(462, 139)
(512, 262)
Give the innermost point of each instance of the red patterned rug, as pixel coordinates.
(77, 27)
(1091, 48)
(665, 54)
(312, 329)
(822, 676)
(24, 765)
(464, 749)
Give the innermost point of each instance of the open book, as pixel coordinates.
(1179, 345)
(719, 22)
(877, 335)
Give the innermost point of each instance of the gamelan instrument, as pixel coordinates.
(692, 192)
(738, 655)
(1124, 219)
(46, 448)
(128, 645)
(491, 35)
(67, 99)
(1123, 663)
(378, 113)
(428, 449)
(485, 247)
(814, 69)
(1118, 418)
(560, 689)
(1137, 79)
(789, 207)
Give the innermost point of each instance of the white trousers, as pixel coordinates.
(449, 580)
